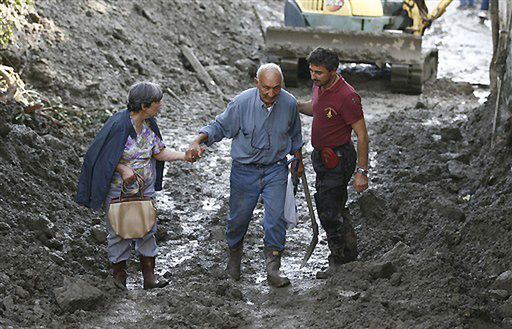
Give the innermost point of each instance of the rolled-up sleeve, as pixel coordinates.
(225, 125)
(295, 130)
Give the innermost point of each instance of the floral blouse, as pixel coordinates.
(138, 154)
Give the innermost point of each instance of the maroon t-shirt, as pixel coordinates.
(334, 110)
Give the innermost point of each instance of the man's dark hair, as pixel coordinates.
(143, 93)
(324, 57)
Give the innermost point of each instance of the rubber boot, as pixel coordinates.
(273, 264)
(119, 273)
(147, 266)
(234, 262)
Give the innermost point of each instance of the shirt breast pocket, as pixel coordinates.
(244, 139)
(260, 139)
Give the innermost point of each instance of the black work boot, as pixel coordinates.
(147, 266)
(273, 264)
(234, 262)
(334, 266)
(342, 244)
(119, 273)
(350, 251)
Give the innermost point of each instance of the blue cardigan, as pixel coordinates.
(104, 155)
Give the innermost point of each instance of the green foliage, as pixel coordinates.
(15, 7)
(15, 3)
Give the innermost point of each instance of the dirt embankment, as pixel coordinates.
(85, 55)
(434, 229)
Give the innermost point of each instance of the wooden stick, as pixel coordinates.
(496, 110)
(169, 90)
(199, 68)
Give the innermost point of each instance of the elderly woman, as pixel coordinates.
(128, 145)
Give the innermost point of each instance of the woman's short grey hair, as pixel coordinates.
(269, 67)
(143, 93)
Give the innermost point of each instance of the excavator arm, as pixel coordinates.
(418, 12)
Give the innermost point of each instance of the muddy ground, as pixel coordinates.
(434, 228)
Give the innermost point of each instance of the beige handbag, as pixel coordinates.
(132, 217)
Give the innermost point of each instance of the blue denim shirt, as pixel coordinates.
(259, 136)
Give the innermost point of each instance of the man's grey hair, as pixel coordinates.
(269, 67)
(143, 93)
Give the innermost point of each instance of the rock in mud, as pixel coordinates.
(372, 206)
(398, 250)
(55, 257)
(383, 270)
(451, 134)
(40, 223)
(420, 105)
(223, 75)
(218, 233)
(4, 129)
(42, 74)
(457, 169)
(77, 294)
(499, 294)
(26, 135)
(451, 212)
(8, 303)
(236, 294)
(20, 292)
(504, 281)
(99, 234)
(4, 227)
(247, 65)
(505, 310)
(396, 279)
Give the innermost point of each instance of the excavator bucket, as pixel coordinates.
(410, 67)
(351, 46)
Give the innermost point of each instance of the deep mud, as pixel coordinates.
(434, 228)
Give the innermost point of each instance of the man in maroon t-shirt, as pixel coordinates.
(336, 110)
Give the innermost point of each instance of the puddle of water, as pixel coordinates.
(431, 122)
(481, 94)
(177, 254)
(459, 118)
(210, 204)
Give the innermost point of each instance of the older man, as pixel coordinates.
(265, 127)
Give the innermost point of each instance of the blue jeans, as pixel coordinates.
(467, 3)
(484, 5)
(247, 183)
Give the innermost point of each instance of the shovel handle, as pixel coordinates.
(314, 224)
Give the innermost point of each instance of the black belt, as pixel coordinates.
(261, 165)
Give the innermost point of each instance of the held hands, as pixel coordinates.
(194, 152)
(360, 182)
(191, 155)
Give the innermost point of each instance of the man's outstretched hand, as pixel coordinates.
(194, 152)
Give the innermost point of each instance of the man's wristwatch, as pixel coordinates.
(363, 171)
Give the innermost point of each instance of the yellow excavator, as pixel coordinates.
(361, 31)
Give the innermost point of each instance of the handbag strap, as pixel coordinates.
(140, 187)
